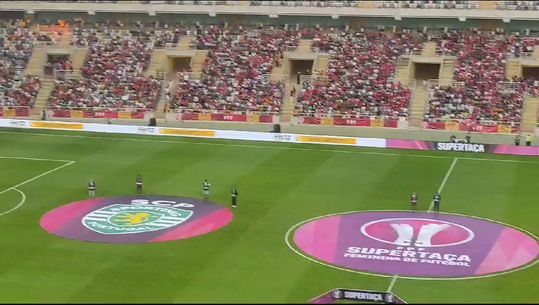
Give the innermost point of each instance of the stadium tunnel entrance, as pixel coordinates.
(178, 63)
(300, 67)
(426, 71)
(52, 59)
(530, 72)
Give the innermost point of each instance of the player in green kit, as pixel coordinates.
(437, 198)
(234, 196)
(91, 188)
(206, 189)
(139, 183)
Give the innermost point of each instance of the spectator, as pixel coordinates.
(16, 89)
(358, 80)
(236, 72)
(113, 76)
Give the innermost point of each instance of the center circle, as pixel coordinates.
(418, 245)
(135, 219)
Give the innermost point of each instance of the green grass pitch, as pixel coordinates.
(280, 185)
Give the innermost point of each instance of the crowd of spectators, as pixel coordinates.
(481, 91)
(522, 46)
(429, 4)
(307, 3)
(466, 103)
(17, 43)
(236, 72)
(87, 94)
(359, 81)
(518, 5)
(113, 74)
(58, 65)
(169, 36)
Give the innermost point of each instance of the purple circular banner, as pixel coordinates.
(136, 219)
(421, 245)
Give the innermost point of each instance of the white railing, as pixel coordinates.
(431, 83)
(305, 79)
(214, 111)
(181, 75)
(291, 48)
(343, 115)
(508, 87)
(43, 43)
(428, 4)
(303, 3)
(479, 122)
(523, 55)
(101, 109)
(66, 74)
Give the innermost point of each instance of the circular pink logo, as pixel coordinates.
(414, 245)
(417, 232)
(136, 219)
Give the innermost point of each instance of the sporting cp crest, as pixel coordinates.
(131, 219)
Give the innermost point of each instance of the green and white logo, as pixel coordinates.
(131, 219)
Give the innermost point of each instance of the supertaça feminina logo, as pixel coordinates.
(130, 219)
(425, 245)
(418, 232)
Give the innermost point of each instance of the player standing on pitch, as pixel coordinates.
(139, 183)
(414, 201)
(234, 196)
(206, 189)
(91, 188)
(437, 199)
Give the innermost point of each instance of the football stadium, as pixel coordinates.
(269, 152)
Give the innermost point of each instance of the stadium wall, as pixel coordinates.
(273, 137)
(308, 21)
(48, 12)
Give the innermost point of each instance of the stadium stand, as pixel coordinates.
(359, 76)
(359, 82)
(17, 89)
(481, 92)
(236, 72)
(312, 3)
(518, 5)
(429, 4)
(113, 75)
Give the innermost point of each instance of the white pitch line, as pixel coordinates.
(440, 189)
(298, 252)
(444, 182)
(393, 280)
(267, 147)
(23, 199)
(15, 187)
(37, 177)
(34, 159)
